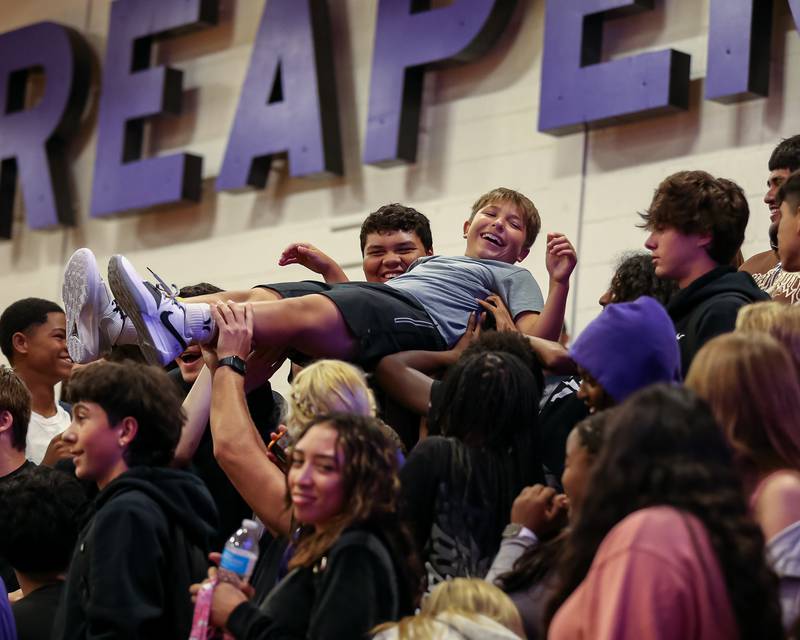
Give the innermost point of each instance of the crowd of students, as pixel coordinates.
(446, 465)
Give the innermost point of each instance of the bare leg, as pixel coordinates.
(311, 324)
(259, 294)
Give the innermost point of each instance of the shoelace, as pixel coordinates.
(169, 291)
(116, 309)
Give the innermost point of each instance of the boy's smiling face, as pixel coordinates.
(496, 232)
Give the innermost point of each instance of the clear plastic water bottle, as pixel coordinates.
(240, 554)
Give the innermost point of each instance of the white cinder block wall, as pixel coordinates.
(478, 131)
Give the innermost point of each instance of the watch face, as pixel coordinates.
(235, 363)
(512, 530)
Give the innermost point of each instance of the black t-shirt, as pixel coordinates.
(35, 613)
(265, 409)
(6, 572)
(457, 500)
(560, 413)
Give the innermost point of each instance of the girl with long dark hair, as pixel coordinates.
(458, 488)
(352, 566)
(663, 545)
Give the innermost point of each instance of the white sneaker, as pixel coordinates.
(94, 321)
(159, 318)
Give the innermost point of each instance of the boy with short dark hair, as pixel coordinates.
(43, 511)
(788, 198)
(697, 224)
(33, 339)
(426, 308)
(149, 537)
(765, 267)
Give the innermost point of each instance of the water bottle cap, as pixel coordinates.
(250, 525)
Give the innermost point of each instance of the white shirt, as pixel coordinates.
(42, 430)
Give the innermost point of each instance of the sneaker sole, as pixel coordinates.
(80, 294)
(138, 304)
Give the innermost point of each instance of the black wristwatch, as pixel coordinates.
(235, 363)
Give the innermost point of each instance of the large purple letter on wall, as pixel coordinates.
(578, 89)
(409, 38)
(32, 140)
(132, 91)
(738, 49)
(288, 102)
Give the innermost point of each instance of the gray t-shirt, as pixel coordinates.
(446, 287)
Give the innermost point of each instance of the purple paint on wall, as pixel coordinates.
(409, 38)
(738, 49)
(134, 91)
(578, 89)
(288, 101)
(32, 141)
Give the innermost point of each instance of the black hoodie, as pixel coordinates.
(708, 307)
(133, 563)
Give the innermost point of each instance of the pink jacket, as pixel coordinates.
(654, 577)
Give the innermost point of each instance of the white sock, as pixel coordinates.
(199, 325)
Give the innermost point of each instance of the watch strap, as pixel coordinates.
(235, 363)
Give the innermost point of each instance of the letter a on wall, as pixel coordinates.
(288, 102)
(32, 140)
(409, 38)
(578, 89)
(134, 91)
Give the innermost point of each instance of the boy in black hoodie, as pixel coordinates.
(696, 224)
(149, 537)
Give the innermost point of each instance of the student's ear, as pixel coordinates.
(19, 342)
(6, 420)
(523, 254)
(429, 252)
(128, 430)
(704, 240)
(466, 227)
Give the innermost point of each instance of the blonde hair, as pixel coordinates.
(751, 384)
(424, 626)
(473, 595)
(328, 386)
(533, 223)
(781, 321)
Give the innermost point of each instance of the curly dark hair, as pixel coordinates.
(19, 317)
(43, 512)
(199, 289)
(508, 342)
(635, 276)
(697, 202)
(537, 561)
(786, 155)
(663, 447)
(371, 495)
(141, 391)
(489, 399)
(397, 217)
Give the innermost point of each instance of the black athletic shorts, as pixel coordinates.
(381, 319)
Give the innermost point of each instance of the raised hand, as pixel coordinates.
(235, 328)
(312, 258)
(540, 509)
(561, 257)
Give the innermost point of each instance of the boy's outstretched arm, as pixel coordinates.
(560, 261)
(312, 258)
(407, 376)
